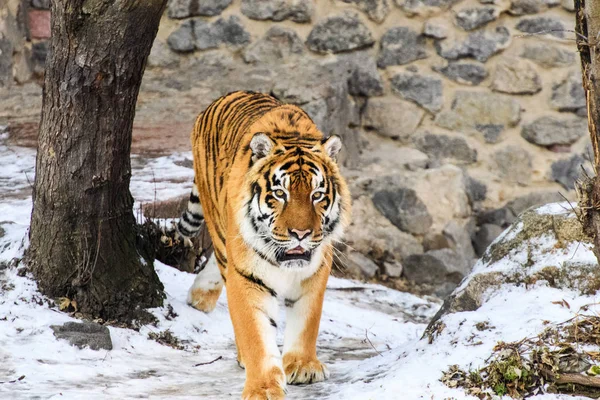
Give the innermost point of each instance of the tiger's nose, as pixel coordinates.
(298, 234)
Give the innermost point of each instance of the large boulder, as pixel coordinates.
(374, 236)
(539, 249)
(404, 209)
(443, 269)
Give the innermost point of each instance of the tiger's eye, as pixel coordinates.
(317, 196)
(279, 193)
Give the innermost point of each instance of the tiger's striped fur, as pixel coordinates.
(274, 202)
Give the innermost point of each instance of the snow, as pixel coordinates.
(370, 336)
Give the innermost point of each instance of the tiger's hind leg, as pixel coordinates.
(207, 287)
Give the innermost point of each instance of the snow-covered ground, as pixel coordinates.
(370, 335)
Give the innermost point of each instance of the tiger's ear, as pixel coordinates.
(332, 145)
(260, 145)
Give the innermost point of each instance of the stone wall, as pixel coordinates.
(456, 115)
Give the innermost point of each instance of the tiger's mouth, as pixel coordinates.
(297, 253)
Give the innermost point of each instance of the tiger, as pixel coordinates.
(268, 187)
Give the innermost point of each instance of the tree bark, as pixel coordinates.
(587, 26)
(83, 232)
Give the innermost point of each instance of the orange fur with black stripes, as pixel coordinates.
(274, 203)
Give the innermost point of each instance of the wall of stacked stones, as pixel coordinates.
(456, 115)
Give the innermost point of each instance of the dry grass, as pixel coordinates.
(562, 359)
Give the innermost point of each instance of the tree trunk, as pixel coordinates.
(83, 232)
(588, 37)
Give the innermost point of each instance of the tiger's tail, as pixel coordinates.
(191, 220)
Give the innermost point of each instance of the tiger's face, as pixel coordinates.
(297, 200)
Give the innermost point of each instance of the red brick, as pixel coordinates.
(39, 24)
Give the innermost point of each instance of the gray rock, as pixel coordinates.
(182, 40)
(224, 31)
(473, 18)
(566, 172)
(446, 148)
(365, 79)
(548, 130)
(513, 164)
(436, 28)
(85, 334)
(342, 32)
(279, 44)
(193, 8)
(541, 25)
(162, 56)
(466, 73)
(6, 51)
(491, 132)
(516, 76)
(393, 269)
(373, 234)
(485, 235)
(548, 56)
(470, 111)
(392, 117)
(376, 10)
(278, 10)
(360, 265)
(480, 45)
(404, 209)
(523, 7)
(475, 189)
(569, 95)
(459, 239)
(501, 217)
(423, 90)
(424, 7)
(399, 46)
(437, 267)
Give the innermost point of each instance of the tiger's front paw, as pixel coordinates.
(299, 369)
(203, 300)
(271, 387)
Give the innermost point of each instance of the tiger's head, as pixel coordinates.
(298, 202)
